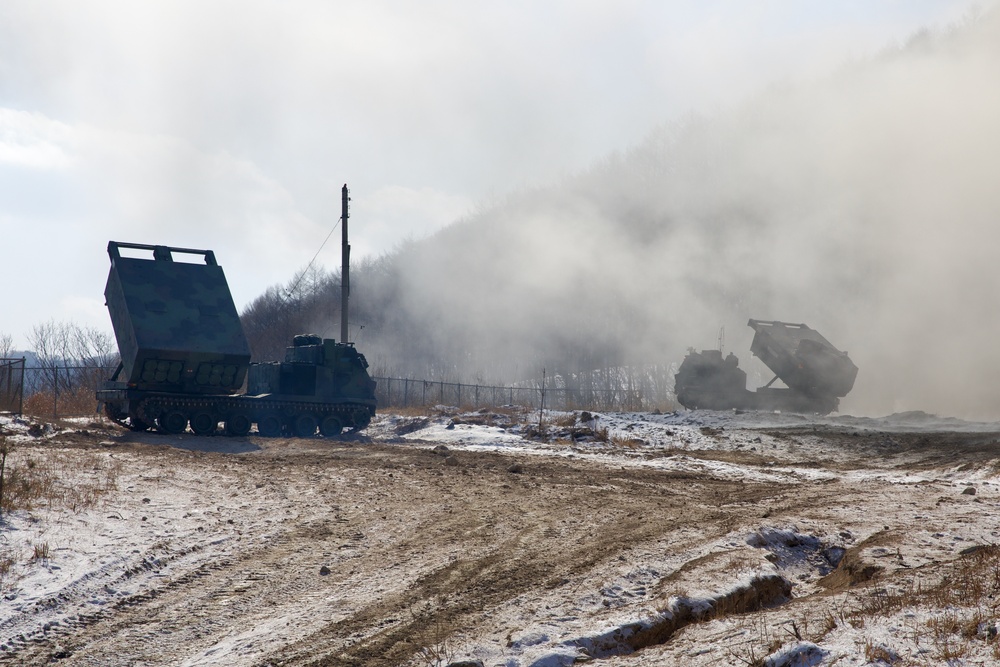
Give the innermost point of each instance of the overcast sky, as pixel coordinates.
(232, 125)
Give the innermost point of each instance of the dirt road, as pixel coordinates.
(387, 551)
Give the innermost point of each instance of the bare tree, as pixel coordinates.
(48, 342)
(6, 345)
(92, 348)
(272, 319)
(70, 356)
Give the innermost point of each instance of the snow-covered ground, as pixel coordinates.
(631, 539)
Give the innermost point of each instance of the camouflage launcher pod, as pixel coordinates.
(185, 358)
(816, 374)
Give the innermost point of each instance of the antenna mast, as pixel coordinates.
(345, 264)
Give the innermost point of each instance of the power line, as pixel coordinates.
(291, 290)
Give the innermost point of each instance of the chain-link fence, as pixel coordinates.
(63, 391)
(69, 391)
(12, 385)
(406, 392)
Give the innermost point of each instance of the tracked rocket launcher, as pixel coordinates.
(815, 373)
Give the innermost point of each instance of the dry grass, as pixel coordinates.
(36, 479)
(51, 482)
(79, 402)
(753, 653)
(40, 551)
(879, 654)
(962, 606)
(740, 563)
(563, 421)
(877, 600)
(626, 442)
(411, 411)
(434, 645)
(958, 616)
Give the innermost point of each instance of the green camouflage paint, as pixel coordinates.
(176, 324)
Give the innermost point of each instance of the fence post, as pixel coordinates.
(541, 405)
(406, 393)
(55, 392)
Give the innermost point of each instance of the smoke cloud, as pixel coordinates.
(865, 205)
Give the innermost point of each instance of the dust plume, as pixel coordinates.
(865, 204)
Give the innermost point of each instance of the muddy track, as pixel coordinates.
(548, 549)
(395, 518)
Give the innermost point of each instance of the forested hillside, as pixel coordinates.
(864, 204)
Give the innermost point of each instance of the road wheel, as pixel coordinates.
(203, 423)
(172, 422)
(304, 425)
(113, 412)
(136, 424)
(362, 418)
(269, 426)
(330, 427)
(238, 424)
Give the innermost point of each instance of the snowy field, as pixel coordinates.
(694, 538)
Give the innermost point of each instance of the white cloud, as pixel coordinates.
(30, 140)
(146, 189)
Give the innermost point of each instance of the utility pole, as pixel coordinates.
(345, 264)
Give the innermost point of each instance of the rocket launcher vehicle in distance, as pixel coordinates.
(816, 374)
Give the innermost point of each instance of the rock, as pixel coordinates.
(833, 555)
(451, 461)
(412, 426)
(586, 416)
(969, 491)
(441, 450)
(323, 571)
(515, 468)
(60, 653)
(451, 425)
(529, 639)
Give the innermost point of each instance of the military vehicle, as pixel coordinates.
(816, 374)
(185, 358)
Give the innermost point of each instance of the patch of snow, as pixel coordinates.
(803, 654)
